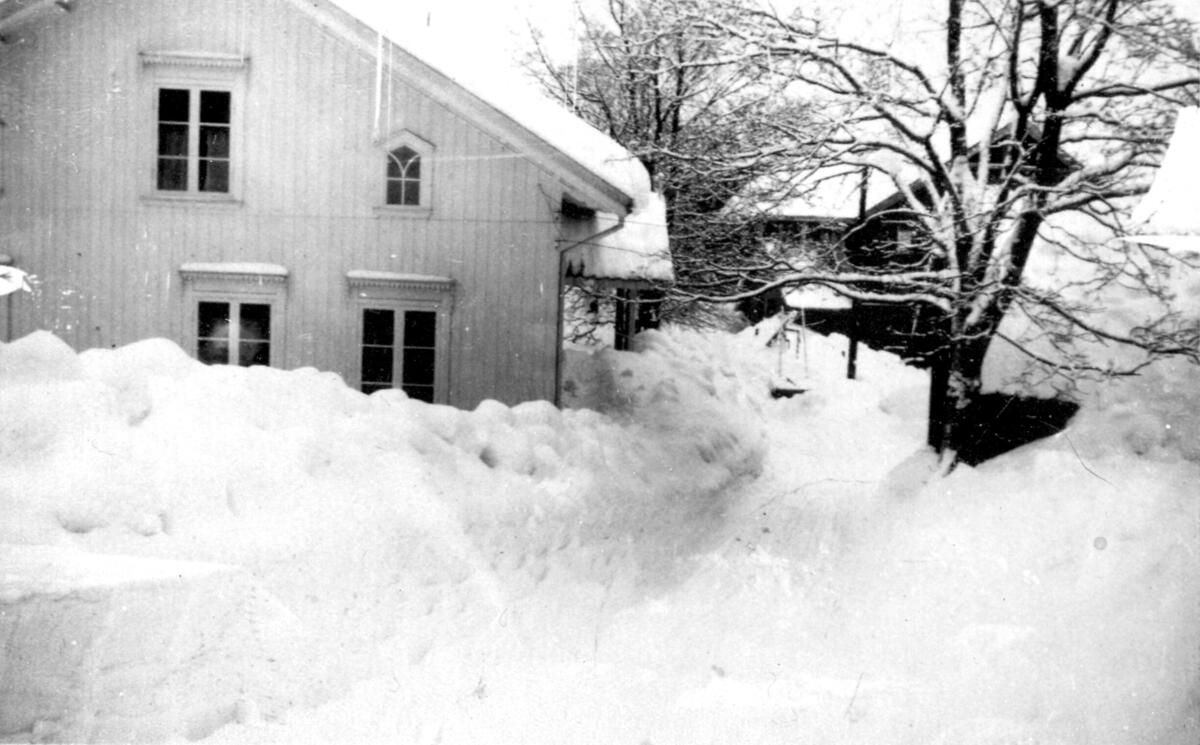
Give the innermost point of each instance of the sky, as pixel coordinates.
(483, 28)
(498, 30)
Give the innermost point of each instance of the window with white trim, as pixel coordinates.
(194, 138)
(403, 333)
(404, 177)
(194, 106)
(233, 333)
(408, 172)
(234, 313)
(399, 350)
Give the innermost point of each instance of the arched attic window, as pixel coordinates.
(408, 172)
(404, 177)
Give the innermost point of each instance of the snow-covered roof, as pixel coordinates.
(815, 297)
(594, 170)
(812, 193)
(638, 250)
(496, 83)
(823, 193)
(1169, 214)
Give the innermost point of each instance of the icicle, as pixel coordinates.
(390, 88)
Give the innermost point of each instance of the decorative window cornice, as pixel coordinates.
(256, 274)
(360, 279)
(209, 60)
(402, 137)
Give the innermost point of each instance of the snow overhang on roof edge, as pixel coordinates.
(635, 249)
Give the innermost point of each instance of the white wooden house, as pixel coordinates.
(272, 182)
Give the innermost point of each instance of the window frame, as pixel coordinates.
(236, 284)
(234, 341)
(400, 294)
(424, 150)
(194, 157)
(194, 72)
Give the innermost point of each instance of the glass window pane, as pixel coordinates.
(413, 169)
(214, 107)
(173, 105)
(255, 322)
(172, 174)
(419, 392)
(379, 326)
(214, 142)
(395, 166)
(254, 353)
(214, 321)
(214, 175)
(213, 352)
(377, 365)
(369, 388)
(412, 193)
(395, 192)
(400, 162)
(420, 328)
(172, 139)
(418, 367)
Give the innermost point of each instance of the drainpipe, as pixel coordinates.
(562, 280)
(378, 124)
(6, 260)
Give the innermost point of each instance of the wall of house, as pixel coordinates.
(79, 208)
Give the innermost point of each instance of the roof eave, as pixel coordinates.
(29, 12)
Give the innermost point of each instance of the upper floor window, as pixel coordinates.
(194, 138)
(404, 177)
(408, 174)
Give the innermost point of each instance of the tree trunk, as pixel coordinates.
(956, 379)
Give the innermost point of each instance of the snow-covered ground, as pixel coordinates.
(690, 562)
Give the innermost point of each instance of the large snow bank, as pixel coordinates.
(366, 517)
(103, 648)
(531, 575)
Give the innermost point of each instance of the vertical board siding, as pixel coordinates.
(79, 165)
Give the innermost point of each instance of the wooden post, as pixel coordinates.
(852, 352)
(939, 377)
(622, 320)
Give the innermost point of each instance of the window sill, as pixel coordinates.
(402, 212)
(220, 201)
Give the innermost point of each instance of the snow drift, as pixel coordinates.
(690, 562)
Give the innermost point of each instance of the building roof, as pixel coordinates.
(815, 297)
(497, 84)
(1168, 213)
(550, 134)
(636, 251)
(595, 171)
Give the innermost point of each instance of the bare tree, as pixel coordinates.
(702, 119)
(1034, 125)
